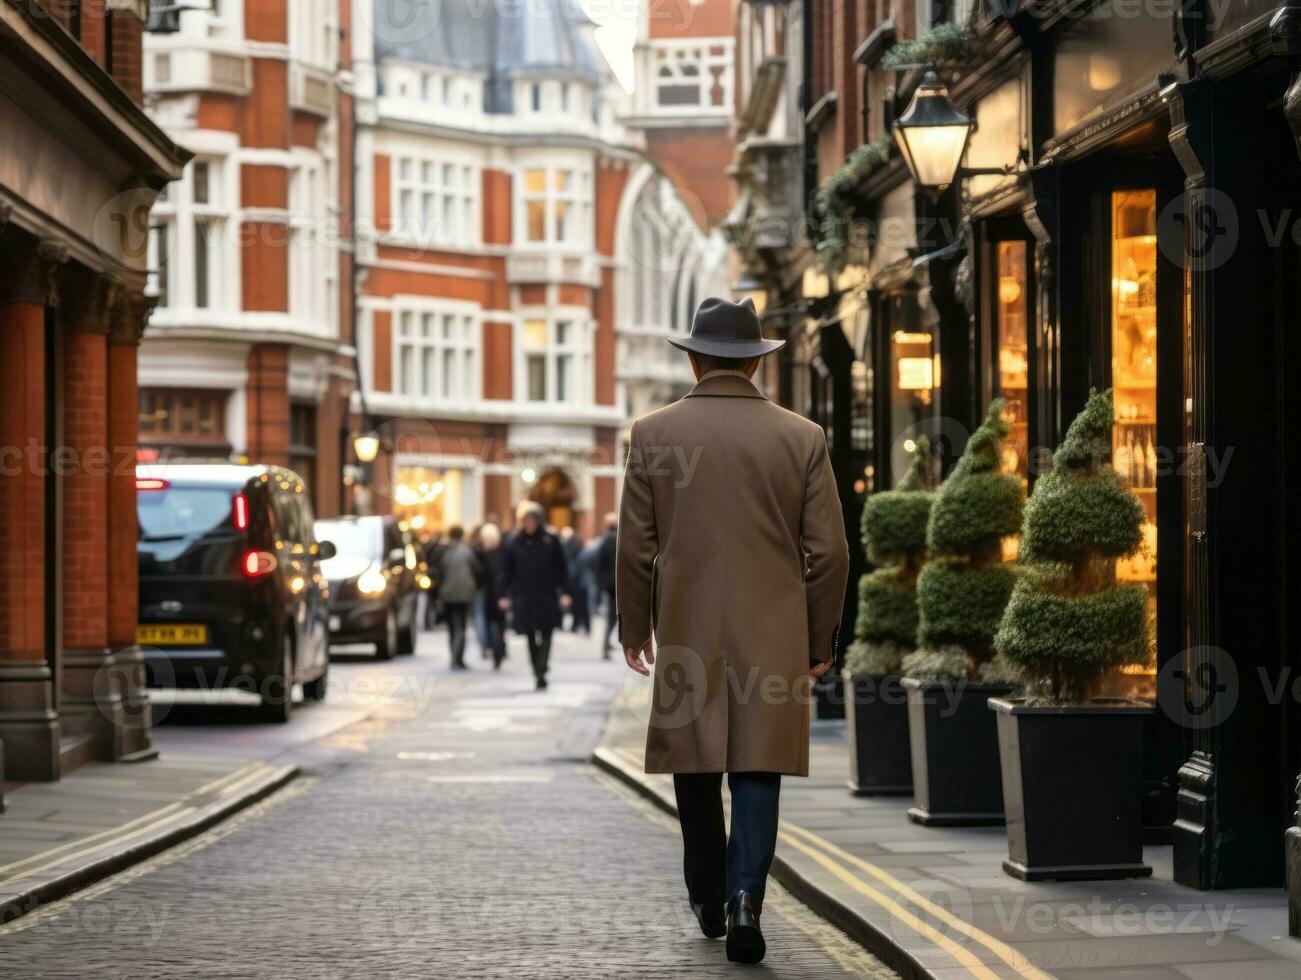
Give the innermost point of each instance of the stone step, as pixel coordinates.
(74, 752)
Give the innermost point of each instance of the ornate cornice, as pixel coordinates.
(32, 269)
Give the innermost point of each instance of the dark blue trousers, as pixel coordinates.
(717, 868)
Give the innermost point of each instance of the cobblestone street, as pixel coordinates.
(456, 830)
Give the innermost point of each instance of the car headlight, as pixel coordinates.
(371, 581)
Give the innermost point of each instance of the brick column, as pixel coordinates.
(29, 727)
(122, 41)
(267, 395)
(90, 704)
(132, 739)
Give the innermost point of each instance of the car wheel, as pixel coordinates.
(278, 689)
(388, 644)
(315, 690)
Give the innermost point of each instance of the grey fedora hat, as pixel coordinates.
(725, 329)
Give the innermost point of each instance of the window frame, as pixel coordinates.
(577, 197)
(465, 194)
(409, 316)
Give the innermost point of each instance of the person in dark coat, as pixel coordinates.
(492, 557)
(459, 572)
(606, 550)
(535, 583)
(581, 621)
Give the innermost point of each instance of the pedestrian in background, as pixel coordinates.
(477, 619)
(432, 546)
(535, 585)
(606, 549)
(459, 572)
(580, 611)
(491, 558)
(739, 574)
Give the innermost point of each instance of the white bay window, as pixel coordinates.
(436, 353)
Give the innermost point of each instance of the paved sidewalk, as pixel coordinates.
(935, 902)
(58, 837)
(464, 837)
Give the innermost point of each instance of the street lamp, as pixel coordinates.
(932, 135)
(366, 447)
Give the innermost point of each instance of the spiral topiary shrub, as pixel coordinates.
(965, 585)
(894, 534)
(1069, 623)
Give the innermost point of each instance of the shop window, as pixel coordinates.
(429, 499)
(1133, 365)
(1013, 354)
(914, 376)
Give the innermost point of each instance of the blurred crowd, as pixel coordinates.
(531, 581)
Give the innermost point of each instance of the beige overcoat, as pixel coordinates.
(732, 550)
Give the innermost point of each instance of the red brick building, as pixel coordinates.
(536, 235)
(72, 310)
(250, 348)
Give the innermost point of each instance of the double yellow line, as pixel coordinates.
(905, 904)
(140, 826)
(835, 859)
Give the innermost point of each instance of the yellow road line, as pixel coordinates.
(185, 812)
(964, 956)
(155, 815)
(81, 841)
(210, 787)
(1017, 961)
(236, 786)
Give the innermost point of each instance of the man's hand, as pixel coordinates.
(817, 669)
(566, 602)
(634, 654)
(503, 604)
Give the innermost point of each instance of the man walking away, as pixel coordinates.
(606, 550)
(732, 554)
(459, 571)
(535, 580)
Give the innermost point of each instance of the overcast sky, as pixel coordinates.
(616, 34)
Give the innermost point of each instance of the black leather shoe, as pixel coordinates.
(744, 939)
(712, 919)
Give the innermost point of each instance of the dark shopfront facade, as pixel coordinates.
(1147, 243)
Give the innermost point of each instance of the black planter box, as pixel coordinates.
(954, 738)
(1073, 784)
(829, 698)
(876, 720)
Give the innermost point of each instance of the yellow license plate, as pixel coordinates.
(187, 634)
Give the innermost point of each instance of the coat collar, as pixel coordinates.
(733, 384)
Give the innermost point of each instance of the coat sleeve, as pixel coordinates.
(636, 550)
(826, 550)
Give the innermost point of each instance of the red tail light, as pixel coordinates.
(151, 483)
(241, 512)
(258, 563)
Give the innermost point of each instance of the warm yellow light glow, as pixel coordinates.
(529, 475)
(905, 337)
(1103, 72)
(366, 447)
(1009, 290)
(371, 581)
(916, 374)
